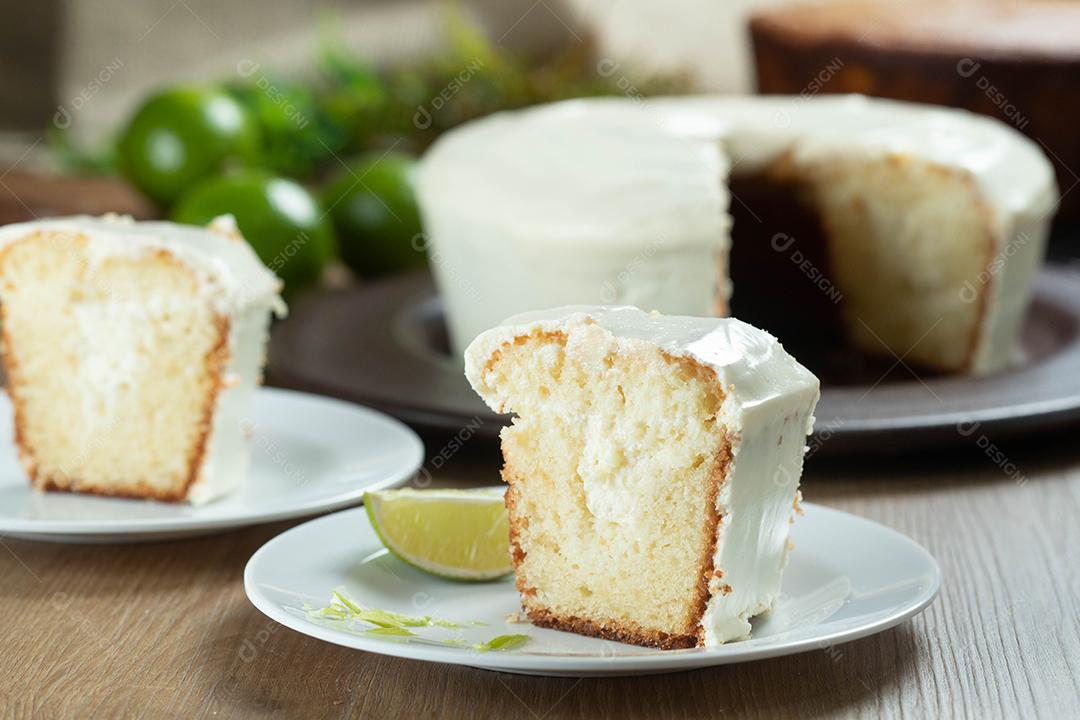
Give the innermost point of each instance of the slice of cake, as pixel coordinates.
(132, 350)
(653, 467)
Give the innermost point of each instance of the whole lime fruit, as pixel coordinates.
(279, 218)
(372, 203)
(183, 135)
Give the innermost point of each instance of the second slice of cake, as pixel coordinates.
(132, 351)
(653, 466)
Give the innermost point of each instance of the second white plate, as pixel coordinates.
(848, 578)
(309, 454)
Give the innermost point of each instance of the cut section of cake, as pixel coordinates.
(653, 468)
(132, 350)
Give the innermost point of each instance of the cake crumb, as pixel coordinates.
(225, 226)
(796, 503)
(714, 582)
(516, 618)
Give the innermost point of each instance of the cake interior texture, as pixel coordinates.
(620, 465)
(114, 365)
(641, 430)
(885, 221)
(854, 254)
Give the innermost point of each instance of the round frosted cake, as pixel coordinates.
(907, 230)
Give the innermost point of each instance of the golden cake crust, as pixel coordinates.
(624, 633)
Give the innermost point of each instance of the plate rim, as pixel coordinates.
(536, 664)
(31, 529)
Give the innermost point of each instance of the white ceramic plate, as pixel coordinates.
(848, 578)
(309, 454)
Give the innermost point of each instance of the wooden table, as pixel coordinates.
(164, 629)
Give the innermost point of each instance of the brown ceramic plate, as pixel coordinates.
(385, 345)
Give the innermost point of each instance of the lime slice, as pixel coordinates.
(459, 534)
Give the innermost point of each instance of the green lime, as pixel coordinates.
(459, 534)
(373, 207)
(183, 135)
(282, 221)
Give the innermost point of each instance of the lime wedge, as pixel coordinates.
(458, 534)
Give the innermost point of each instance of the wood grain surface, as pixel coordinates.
(27, 195)
(164, 630)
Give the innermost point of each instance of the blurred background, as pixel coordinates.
(57, 49)
(273, 110)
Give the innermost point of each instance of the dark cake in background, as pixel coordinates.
(1018, 62)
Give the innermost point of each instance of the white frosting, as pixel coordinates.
(233, 281)
(602, 211)
(228, 448)
(620, 200)
(767, 410)
(751, 364)
(233, 275)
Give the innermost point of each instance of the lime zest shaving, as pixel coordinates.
(345, 610)
(502, 642)
(406, 632)
(342, 599)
